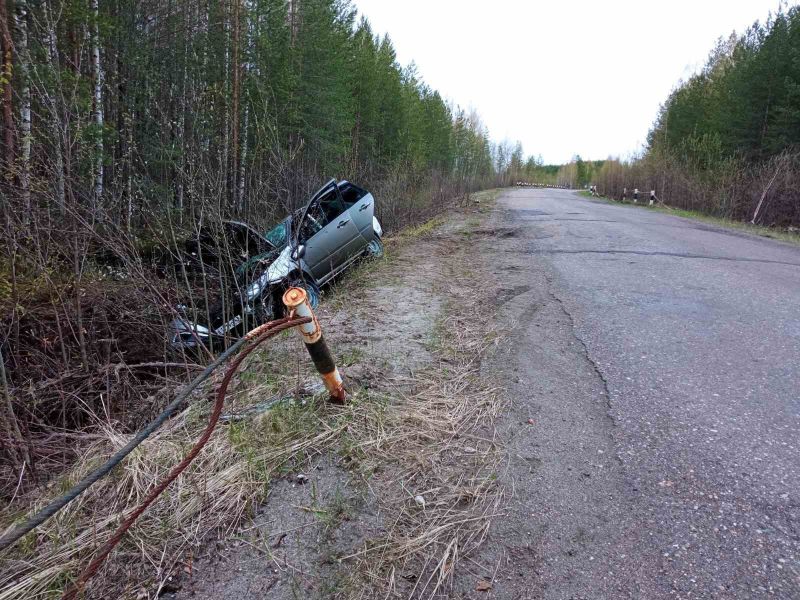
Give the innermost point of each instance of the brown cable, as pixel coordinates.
(258, 335)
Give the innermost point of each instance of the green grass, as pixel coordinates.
(421, 229)
(760, 230)
(351, 356)
(486, 196)
(472, 224)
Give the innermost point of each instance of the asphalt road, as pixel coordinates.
(655, 433)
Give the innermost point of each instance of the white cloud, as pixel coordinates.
(582, 77)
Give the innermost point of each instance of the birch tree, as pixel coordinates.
(6, 75)
(97, 72)
(26, 139)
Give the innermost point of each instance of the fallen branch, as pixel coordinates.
(764, 195)
(12, 425)
(152, 365)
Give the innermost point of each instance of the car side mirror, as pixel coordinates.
(299, 252)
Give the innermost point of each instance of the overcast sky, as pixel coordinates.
(563, 77)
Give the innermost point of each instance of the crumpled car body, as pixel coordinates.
(309, 248)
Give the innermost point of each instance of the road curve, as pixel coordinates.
(657, 366)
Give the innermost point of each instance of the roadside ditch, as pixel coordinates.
(388, 495)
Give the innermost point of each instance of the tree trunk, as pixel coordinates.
(97, 68)
(226, 137)
(240, 199)
(236, 94)
(294, 20)
(12, 424)
(180, 178)
(5, 81)
(21, 18)
(51, 51)
(128, 160)
(78, 255)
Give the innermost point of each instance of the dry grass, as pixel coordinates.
(441, 493)
(486, 196)
(230, 476)
(441, 489)
(420, 230)
(428, 436)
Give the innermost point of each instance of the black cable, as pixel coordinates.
(56, 505)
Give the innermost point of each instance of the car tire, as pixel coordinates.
(311, 289)
(374, 248)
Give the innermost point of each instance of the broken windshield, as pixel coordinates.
(278, 236)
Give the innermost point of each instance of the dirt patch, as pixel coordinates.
(536, 213)
(393, 510)
(289, 549)
(496, 232)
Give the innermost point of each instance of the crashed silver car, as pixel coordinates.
(307, 249)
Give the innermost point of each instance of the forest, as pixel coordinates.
(127, 124)
(725, 142)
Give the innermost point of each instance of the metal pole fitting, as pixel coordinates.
(296, 301)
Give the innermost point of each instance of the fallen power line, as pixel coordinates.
(257, 336)
(84, 484)
(300, 315)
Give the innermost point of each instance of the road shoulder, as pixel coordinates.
(408, 490)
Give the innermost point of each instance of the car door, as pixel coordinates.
(362, 213)
(327, 249)
(361, 208)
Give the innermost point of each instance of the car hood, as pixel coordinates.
(277, 270)
(258, 262)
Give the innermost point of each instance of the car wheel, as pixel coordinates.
(311, 289)
(375, 248)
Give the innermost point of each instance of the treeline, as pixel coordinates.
(134, 109)
(725, 142)
(578, 173)
(512, 166)
(125, 124)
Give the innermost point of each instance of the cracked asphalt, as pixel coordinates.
(654, 368)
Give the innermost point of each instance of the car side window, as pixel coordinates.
(331, 206)
(313, 222)
(351, 194)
